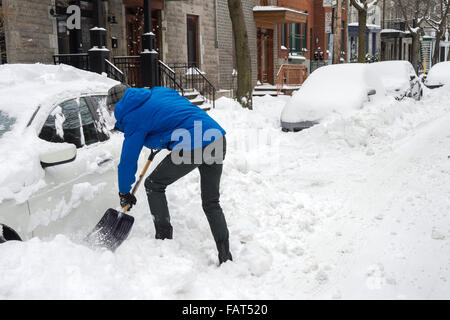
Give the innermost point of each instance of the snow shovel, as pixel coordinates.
(114, 227)
(8, 234)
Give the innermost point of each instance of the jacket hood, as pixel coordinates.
(133, 99)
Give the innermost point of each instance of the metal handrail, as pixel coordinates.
(114, 72)
(211, 87)
(168, 72)
(191, 77)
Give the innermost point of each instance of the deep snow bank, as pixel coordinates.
(297, 204)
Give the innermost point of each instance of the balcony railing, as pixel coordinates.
(397, 24)
(77, 60)
(131, 68)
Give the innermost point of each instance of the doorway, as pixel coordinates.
(135, 29)
(265, 55)
(193, 41)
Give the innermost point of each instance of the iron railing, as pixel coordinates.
(191, 77)
(113, 72)
(77, 60)
(131, 68)
(167, 78)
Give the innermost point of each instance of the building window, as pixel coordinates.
(284, 36)
(74, 41)
(304, 36)
(294, 39)
(193, 41)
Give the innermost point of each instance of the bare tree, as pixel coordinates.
(337, 33)
(243, 59)
(362, 6)
(437, 19)
(414, 13)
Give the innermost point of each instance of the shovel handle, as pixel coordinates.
(136, 185)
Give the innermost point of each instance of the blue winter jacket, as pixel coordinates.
(149, 117)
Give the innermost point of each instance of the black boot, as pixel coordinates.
(163, 233)
(224, 251)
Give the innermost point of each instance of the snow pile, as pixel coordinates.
(439, 74)
(354, 207)
(332, 89)
(80, 193)
(24, 88)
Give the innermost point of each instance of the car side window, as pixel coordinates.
(89, 130)
(71, 122)
(103, 117)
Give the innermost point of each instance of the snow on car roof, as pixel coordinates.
(439, 74)
(25, 86)
(333, 88)
(393, 74)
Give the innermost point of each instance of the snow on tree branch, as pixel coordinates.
(361, 5)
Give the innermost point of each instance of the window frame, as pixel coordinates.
(91, 107)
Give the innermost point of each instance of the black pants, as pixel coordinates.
(168, 172)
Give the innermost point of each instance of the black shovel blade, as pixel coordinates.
(8, 234)
(112, 229)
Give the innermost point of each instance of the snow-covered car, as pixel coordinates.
(331, 89)
(438, 76)
(399, 79)
(58, 153)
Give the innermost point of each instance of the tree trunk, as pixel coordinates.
(337, 34)
(415, 51)
(243, 59)
(448, 55)
(437, 47)
(362, 35)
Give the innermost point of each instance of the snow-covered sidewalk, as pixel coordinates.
(357, 207)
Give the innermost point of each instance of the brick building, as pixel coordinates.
(293, 33)
(281, 33)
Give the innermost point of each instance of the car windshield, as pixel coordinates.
(6, 123)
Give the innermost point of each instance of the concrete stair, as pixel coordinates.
(196, 98)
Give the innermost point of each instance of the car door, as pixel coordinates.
(78, 192)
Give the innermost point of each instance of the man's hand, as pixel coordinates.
(127, 198)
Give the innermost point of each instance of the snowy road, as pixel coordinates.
(357, 207)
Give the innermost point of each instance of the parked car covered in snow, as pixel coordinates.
(438, 76)
(399, 79)
(57, 151)
(331, 89)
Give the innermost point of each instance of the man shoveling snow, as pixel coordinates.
(157, 118)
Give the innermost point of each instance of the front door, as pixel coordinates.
(134, 29)
(269, 55)
(265, 55)
(192, 41)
